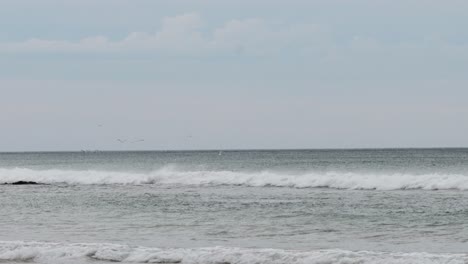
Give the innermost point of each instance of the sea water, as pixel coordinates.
(270, 206)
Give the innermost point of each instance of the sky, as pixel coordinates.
(221, 74)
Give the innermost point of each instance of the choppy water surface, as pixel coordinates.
(329, 206)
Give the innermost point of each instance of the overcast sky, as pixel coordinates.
(213, 74)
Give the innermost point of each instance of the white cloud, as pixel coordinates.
(186, 35)
(259, 37)
(183, 35)
(239, 34)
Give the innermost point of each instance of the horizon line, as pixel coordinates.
(231, 149)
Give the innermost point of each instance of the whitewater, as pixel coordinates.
(54, 252)
(337, 180)
(256, 206)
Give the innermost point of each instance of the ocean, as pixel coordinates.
(227, 207)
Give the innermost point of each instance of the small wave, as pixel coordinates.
(336, 180)
(44, 252)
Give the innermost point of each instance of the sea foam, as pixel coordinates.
(169, 175)
(59, 253)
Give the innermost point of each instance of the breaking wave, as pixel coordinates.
(336, 180)
(58, 252)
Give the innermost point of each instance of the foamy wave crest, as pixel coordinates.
(61, 253)
(172, 176)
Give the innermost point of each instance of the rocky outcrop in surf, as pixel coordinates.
(22, 183)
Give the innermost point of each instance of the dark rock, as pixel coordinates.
(22, 183)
